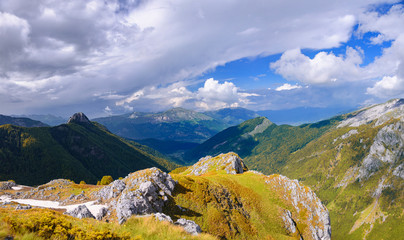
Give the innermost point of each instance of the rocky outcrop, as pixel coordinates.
(230, 162)
(387, 148)
(189, 226)
(7, 185)
(142, 192)
(380, 114)
(79, 118)
(80, 212)
(304, 202)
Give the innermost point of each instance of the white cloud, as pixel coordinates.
(324, 68)
(287, 86)
(388, 87)
(122, 46)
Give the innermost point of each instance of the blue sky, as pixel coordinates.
(114, 57)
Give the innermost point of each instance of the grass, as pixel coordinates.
(48, 224)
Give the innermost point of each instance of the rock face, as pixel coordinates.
(79, 118)
(230, 162)
(387, 148)
(142, 192)
(303, 201)
(189, 226)
(80, 212)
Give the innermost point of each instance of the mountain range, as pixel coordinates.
(78, 150)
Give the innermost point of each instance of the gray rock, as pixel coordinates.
(163, 217)
(143, 192)
(21, 207)
(103, 211)
(189, 226)
(304, 199)
(387, 148)
(80, 212)
(399, 171)
(7, 185)
(230, 162)
(290, 224)
(112, 190)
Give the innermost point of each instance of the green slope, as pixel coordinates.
(354, 162)
(75, 151)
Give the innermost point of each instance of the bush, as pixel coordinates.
(106, 180)
(82, 182)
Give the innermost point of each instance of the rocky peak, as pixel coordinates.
(380, 113)
(230, 162)
(78, 118)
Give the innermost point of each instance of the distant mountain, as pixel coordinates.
(177, 124)
(232, 116)
(49, 119)
(20, 121)
(355, 163)
(79, 150)
(301, 115)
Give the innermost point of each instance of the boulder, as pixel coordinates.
(189, 226)
(7, 185)
(163, 217)
(80, 212)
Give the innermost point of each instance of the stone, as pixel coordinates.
(230, 162)
(112, 190)
(80, 212)
(21, 207)
(7, 185)
(189, 226)
(163, 217)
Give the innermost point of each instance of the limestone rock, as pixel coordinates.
(142, 192)
(387, 147)
(21, 207)
(78, 118)
(7, 185)
(303, 200)
(80, 212)
(163, 217)
(230, 162)
(189, 226)
(112, 190)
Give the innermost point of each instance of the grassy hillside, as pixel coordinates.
(73, 151)
(354, 162)
(226, 201)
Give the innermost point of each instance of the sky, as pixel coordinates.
(108, 57)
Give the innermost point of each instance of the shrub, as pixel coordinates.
(82, 182)
(106, 180)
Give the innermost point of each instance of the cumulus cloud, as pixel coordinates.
(212, 95)
(287, 86)
(324, 68)
(388, 87)
(82, 48)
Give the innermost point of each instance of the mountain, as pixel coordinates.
(177, 124)
(301, 115)
(20, 121)
(354, 162)
(49, 119)
(78, 150)
(232, 116)
(217, 198)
